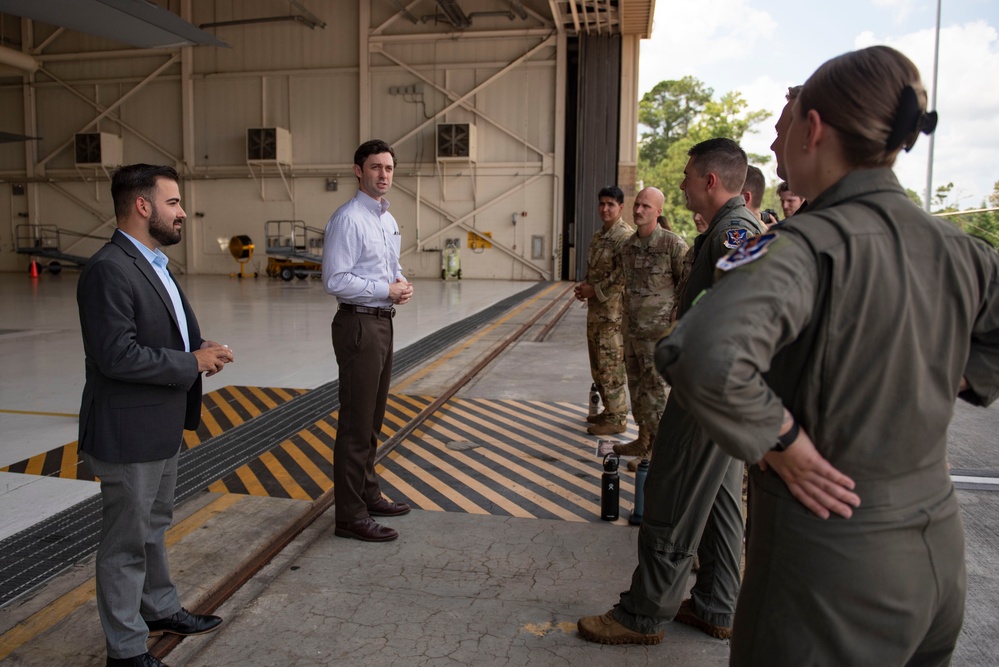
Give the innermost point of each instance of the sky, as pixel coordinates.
(760, 47)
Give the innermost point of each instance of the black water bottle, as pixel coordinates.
(610, 488)
(640, 475)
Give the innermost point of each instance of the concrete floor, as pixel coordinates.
(455, 589)
(279, 331)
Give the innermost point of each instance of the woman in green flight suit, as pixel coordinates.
(845, 337)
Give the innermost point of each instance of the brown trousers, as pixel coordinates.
(363, 348)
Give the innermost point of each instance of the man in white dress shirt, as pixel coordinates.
(361, 269)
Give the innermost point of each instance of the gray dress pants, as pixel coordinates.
(133, 578)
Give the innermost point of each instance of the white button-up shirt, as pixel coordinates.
(361, 252)
(159, 262)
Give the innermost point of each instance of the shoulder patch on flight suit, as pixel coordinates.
(735, 237)
(748, 252)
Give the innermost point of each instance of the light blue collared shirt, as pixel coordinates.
(361, 252)
(159, 263)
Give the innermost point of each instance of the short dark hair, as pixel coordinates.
(725, 158)
(373, 147)
(613, 192)
(132, 181)
(755, 184)
(783, 187)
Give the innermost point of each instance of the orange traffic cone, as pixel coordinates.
(34, 269)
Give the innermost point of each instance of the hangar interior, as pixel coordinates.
(506, 116)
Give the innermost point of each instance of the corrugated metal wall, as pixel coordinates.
(597, 133)
(308, 81)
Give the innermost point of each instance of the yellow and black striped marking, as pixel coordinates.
(501, 457)
(221, 410)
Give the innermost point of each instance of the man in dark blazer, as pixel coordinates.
(144, 359)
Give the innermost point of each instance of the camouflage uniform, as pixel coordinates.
(603, 318)
(652, 270)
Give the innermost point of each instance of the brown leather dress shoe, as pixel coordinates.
(365, 530)
(185, 624)
(382, 507)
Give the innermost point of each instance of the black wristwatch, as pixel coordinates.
(784, 441)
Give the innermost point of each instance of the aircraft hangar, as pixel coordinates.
(506, 116)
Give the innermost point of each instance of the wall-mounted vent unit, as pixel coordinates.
(268, 145)
(456, 142)
(97, 149)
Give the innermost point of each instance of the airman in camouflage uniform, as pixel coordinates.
(602, 290)
(652, 263)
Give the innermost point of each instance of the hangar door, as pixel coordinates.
(592, 135)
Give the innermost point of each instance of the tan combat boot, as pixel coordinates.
(638, 447)
(597, 418)
(609, 426)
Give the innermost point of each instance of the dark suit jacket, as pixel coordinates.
(142, 388)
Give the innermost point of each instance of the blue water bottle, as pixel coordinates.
(640, 475)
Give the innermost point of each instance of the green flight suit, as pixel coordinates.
(860, 316)
(693, 488)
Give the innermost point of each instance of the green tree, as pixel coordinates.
(981, 223)
(941, 195)
(668, 110)
(728, 117)
(914, 196)
(677, 115)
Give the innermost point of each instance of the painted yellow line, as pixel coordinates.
(408, 491)
(223, 404)
(446, 465)
(566, 453)
(328, 429)
(321, 447)
(218, 487)
(445, 358)
(283, 477)
(250, 481)
(392, 423)
(40, 414)
(307, 466)
(42, 620)
(453, 495)
(575, 429)
(263, 397)
(510, 484)
(288, 394)
(209, 421)
(243, 400)
(70, 461)
(34, 465)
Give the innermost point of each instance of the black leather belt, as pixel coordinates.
(367, 310)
